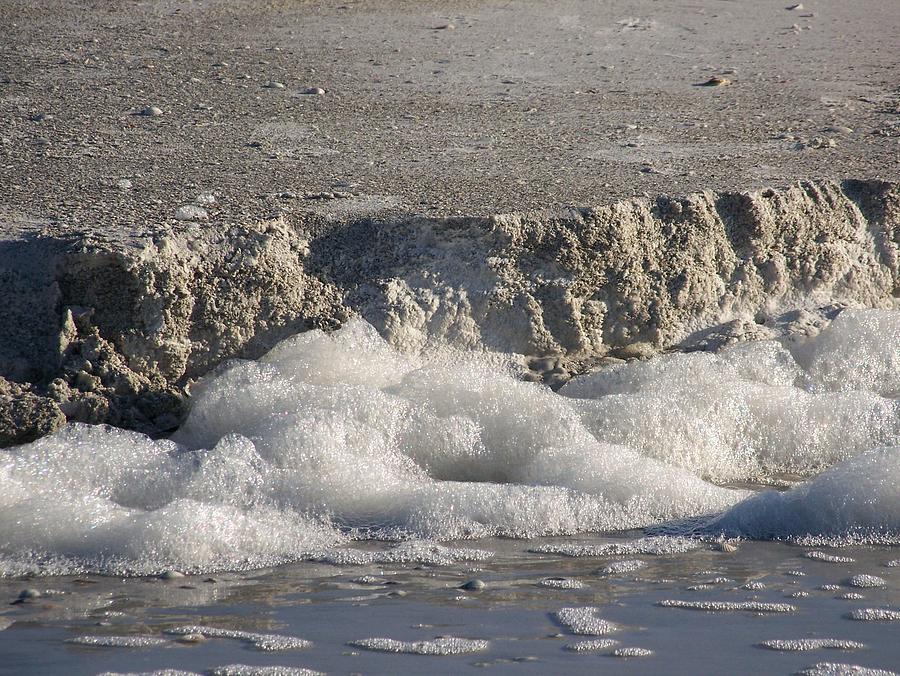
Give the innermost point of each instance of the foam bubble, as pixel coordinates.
(828, 558)
(561, 583)
(118, 641)
(265, 642)
(623, 567)
(651, 546)
(332, 438)
(722, 606)
(756, 408)
(875, 615)
(858, 496)
(248, 670)
(444, 645)
(595, 645)
(805, 644)
(631, 652)
(584, 621)
(835, 669)
(865, 581)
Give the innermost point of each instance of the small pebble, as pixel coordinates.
(26, 594)
(171, 574)
(313, 91)
(274, 85)
(151, 111)
(473, 585)
(123, 184)
(715, 82)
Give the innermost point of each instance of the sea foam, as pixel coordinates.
(332, 438)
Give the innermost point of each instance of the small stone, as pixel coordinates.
(123, 184)
(313, 91)
(40, 117)
(274, 85)
(191, 212)
(473, 585)
(795, 8)
(838, 129)
(27, 594)
(445, 27)
(715, 82)
(151, 111)
(171, 575)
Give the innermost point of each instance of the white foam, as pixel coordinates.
(265, 642)
(631, 652)
(723, 606)
(806, 644)
(875, 615)
(407, 552)
(328, 439)
(118, 641)
(592, 646)
(248, 670)
(445, 645)
(863, 581)
(623, 567)
(828, 558)
(651, 546)
(561, 583)
(158, 672)
(835, 669)
(752, 410)
(858, 496)
(584, 621)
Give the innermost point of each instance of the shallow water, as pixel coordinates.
(333, 606)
